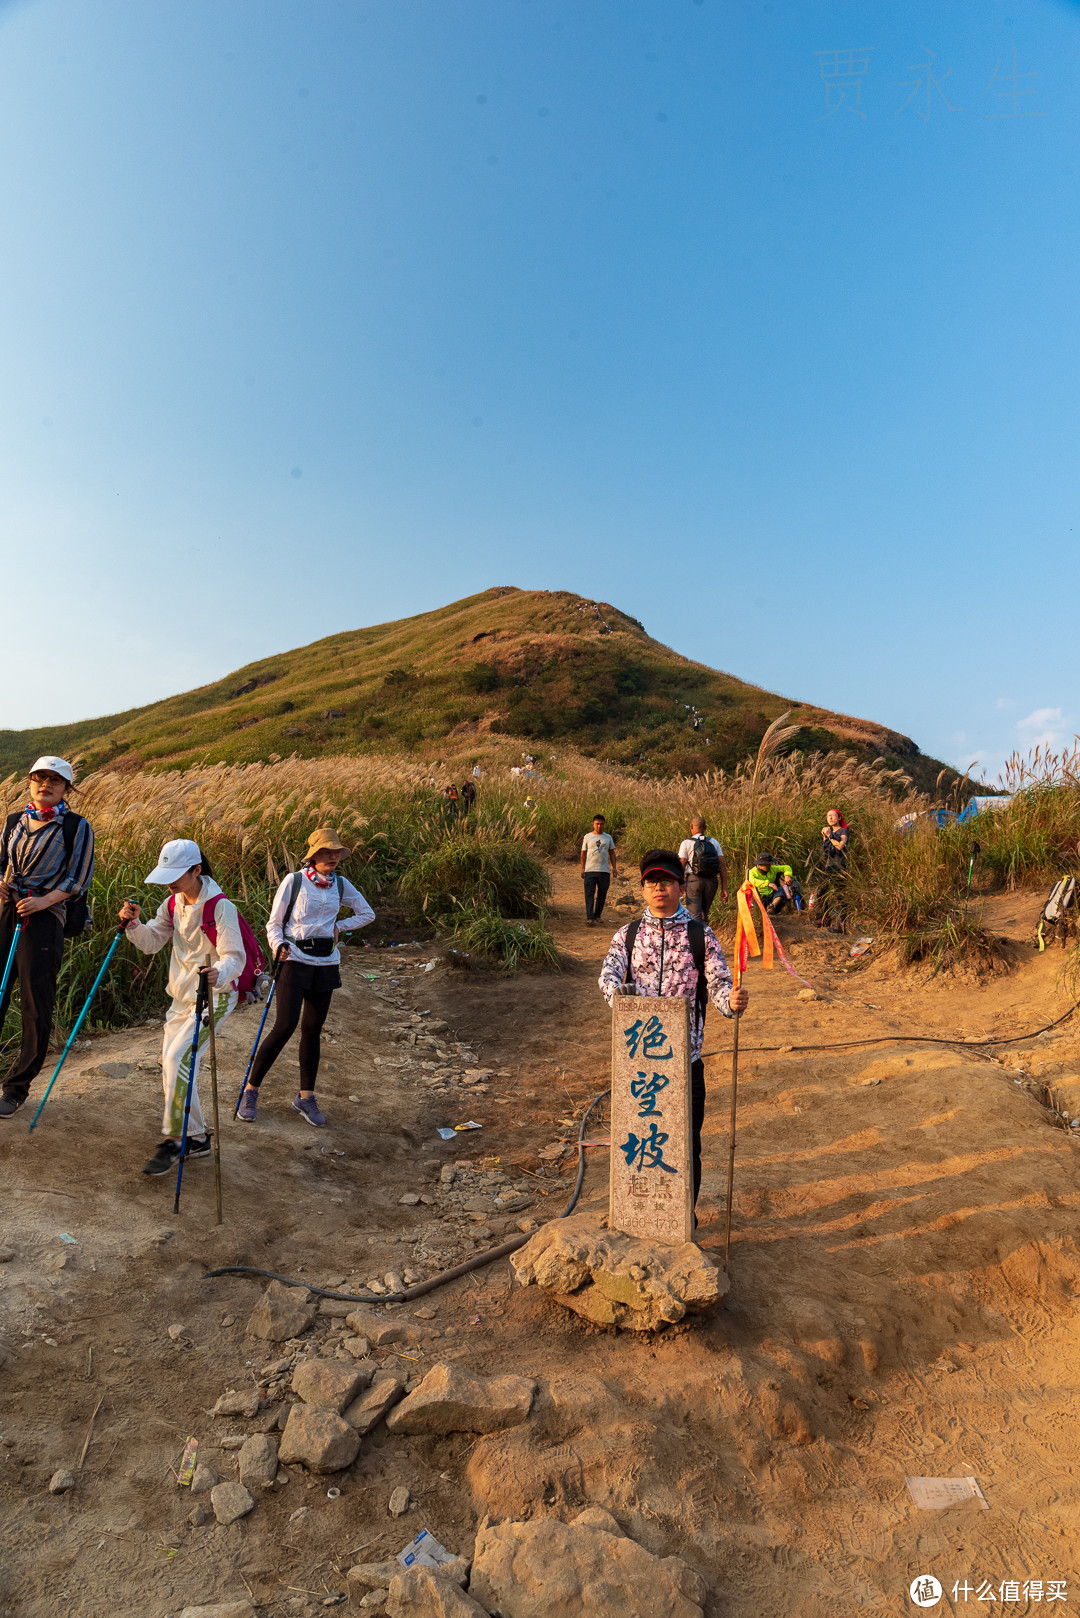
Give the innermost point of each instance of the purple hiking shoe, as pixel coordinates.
(248, 1102)
(308, 1108)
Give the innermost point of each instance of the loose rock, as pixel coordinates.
(453, 1400)
(6, 1255)
(221, 1609)
(196, 1516)
(61, 1482)
(319, 1440)
(328, 1385)
(282, 1312)
(238, 1404)
(533, 1569)
(422, 1592)
(230, 1502)
(203, 1480)
(358, 1347)
(618, 1280)
(176, 1331)
(372, 1575)
(385, 1391)
(259, 1462)
(399, 1502)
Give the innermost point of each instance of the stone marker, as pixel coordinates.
(230, 1502)
(453, 1400)
(282, 1312)
(421, 1590)
(652, 1185)
(535, 1569)
(318, 1439)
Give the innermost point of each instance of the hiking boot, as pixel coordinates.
(9, 1105)
(200, 1148)
(308, 1108)
(248, 1102)
(164, 1159)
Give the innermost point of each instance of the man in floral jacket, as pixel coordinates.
(662, 962)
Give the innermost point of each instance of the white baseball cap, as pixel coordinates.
(58, 766)
(174, 861)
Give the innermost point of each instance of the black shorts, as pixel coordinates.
(312, 979)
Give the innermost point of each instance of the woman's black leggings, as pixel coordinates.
(297, 1002)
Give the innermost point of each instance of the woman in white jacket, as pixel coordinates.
(303, 931)
(179, 920)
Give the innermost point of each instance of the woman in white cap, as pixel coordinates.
(180, 921)
(303, 932)
(47, 861)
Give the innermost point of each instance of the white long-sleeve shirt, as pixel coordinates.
(315, 915)
(190, 945)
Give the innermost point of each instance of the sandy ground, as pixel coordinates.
(904, 1295)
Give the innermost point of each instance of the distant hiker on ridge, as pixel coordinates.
(47, 861)
(598, 865)
(704, 868)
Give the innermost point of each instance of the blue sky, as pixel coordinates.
(757, 320)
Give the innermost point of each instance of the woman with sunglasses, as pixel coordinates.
(47, 861)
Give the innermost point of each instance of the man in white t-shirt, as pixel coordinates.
(598, 866)
(705, 868)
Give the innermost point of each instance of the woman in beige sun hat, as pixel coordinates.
(303, 931)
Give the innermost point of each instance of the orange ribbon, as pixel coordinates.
(746, 942)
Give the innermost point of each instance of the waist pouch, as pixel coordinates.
(315, 946)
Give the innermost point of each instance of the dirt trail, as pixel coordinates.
(904, 1297)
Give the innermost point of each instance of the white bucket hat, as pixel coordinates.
(174, 861)
(58, 766)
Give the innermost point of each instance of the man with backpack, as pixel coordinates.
(198, 921)
(46, 862)
(303, 931)
(704, 868)
(666, 951)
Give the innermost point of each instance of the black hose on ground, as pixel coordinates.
(910, 1039)
(475, 1263)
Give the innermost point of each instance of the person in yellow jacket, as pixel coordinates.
(773, 881)
(179, 920)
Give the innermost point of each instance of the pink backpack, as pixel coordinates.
(254, 959)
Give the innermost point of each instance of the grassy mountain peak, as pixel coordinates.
(544, 665)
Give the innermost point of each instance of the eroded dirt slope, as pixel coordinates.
(904, 1293)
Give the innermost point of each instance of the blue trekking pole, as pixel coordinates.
(200, 1002)
(82, 1015)
(262, 1024)
(10, 960)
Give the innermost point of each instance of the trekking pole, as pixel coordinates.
(200, 1001)
(10, 960)
(734, 1103)
(79, 1021)
(262, 1024)
(213, 1091)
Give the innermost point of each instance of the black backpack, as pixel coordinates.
(705, 861)
(80, 917)
(695, 936)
